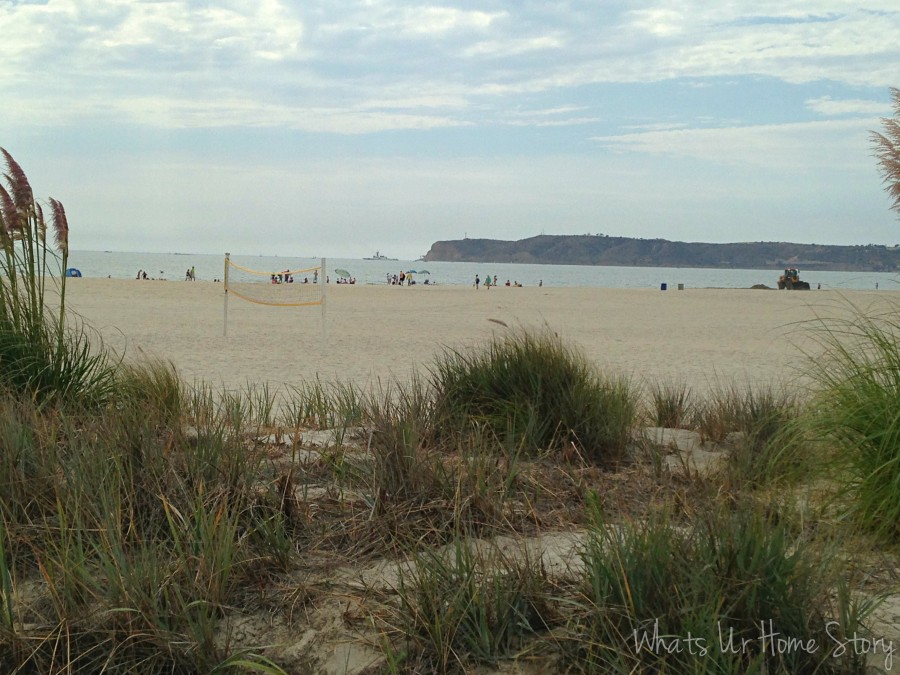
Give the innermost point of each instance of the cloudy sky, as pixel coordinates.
(338, 127)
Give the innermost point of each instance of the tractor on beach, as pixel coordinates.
(790, 280)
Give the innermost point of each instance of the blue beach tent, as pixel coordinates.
(73, 272)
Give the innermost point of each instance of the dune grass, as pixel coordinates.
(131, 531)
(857, 414)
(131, 542)
(461, 605)
(534, 391)
(671, 404)
(41, 354)
(657, 597)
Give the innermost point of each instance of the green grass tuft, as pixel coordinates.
(727, 577)
(857, 412)
(533, 391)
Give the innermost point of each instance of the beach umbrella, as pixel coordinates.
(423, 272)
(342, 273)
(410, 271)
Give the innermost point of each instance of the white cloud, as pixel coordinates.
(804, 145)
(514, 46)
(188, 113)
(358, 67)
(437, 20)
(425, 100)
(660, 21)
(829, 106)
(344, 54)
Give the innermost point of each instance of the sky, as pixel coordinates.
(337, 128)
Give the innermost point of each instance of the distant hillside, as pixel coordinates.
(624, 251)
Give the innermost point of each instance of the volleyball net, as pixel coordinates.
(289, 287)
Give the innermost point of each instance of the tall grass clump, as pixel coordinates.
(671, 404)
(464, 604)
(858, 413)
(126, 540)
(712, 597)
(421, 487)
(401, 421)
(531, 390)
(767, 443)
(40, 355)
(318, 405)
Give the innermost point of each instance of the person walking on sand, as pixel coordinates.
(487, 282)
(477, 281)
(193, 274)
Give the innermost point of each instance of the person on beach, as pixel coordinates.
(487, 282)
(477, 281)
(193, 274)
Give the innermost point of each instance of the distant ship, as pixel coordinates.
(378, 256)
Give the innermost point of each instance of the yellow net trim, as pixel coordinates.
(268, 274)
(274, 304)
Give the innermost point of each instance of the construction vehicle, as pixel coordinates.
(791, 280)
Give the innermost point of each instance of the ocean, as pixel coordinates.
(172, 266)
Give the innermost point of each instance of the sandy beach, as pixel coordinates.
(703, 337)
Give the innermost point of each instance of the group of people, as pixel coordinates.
(287, 278)
(142, 274)
(401, 279)
(492, 281)
(190, 274)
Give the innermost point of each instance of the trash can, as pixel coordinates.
(680, 287)
(662, 286)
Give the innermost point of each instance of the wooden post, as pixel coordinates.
(225, 278)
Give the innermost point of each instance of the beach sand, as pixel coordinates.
(705, 338)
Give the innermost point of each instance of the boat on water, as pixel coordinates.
(378, 256)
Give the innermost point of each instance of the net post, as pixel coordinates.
(225, 280)
(323, 276)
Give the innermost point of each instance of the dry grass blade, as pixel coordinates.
(60, 225)
(887, 151)
(18, 181)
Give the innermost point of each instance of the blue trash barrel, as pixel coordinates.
(662, 286)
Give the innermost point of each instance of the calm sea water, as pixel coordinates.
(172, 266)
